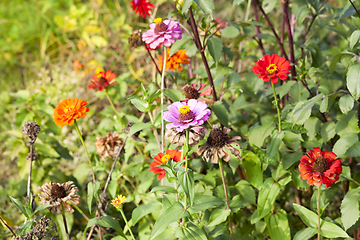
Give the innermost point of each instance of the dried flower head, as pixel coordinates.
(178, 138)
(102, 80)
(135, 39)
(35, 156)
(191, 92)
(31, 129)
(319, 168)
(109, 145)
(173, 62)
(68, 110)
(218, 144)
(162, 159)
(162, 32)
(272, 67)
(58, 194)
(142, 7)
(118, 202)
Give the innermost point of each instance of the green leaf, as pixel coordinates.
(207, 6)
(354, 38)
(252, 167)
(215, 47)
(177, 45)
(246, 191)
(258, 133)
(331, 230)
(186, 180)
(190, 232)
(41, 207)
(221, 113)
(230, 32)
(138, 127)
(344, 143)
(46, 150)
(350, 208)
(324, 104)
(305, 234)
(300, 10)
(237, 2)
(140, 104)
(22, 207)
(302, 110)
(289, 159)
(307, 216)
(113, 185)
(218, 216)
(336, 59)
(165, 189)
(108, 221)
(353, 151)
(204, 202)
(313, 127)
(144, 210)
(90, 223)
(328, 131)
(186, 5)
(267, 196)
(353, 80)
(275, 140)
(170, 215)
(346, 103)
(174, 94)
(277, 225)
(92, 191)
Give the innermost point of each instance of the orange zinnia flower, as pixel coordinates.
(77, 66)
(162, 159)
(271, 68)
(173, 62)
(102, 80)
(68, 110)
(320, 167)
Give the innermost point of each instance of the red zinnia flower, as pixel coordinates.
(271, 68)
(102, 80)
(68, 110)
(320, 167)
(162, 159)
(142, 7)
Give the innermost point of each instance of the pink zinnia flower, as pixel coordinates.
(162, 32)
(142, 7)
(183, 115)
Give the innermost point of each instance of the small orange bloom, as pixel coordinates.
(68, 110)
(320, 167)
(162, 159)
(77, 66)
(173, 62)
(271, 68)
(102, 80)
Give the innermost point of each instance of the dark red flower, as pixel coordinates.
(142, 7)
(271, 68)
(102, 80)
(320, 167)
(161, 159)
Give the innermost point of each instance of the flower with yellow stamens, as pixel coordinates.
(162, 159)
(118, 201)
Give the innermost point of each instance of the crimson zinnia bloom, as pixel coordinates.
(271, 68)
(102, 80)
(142, 7)
(68, 110)
(162, 159)
(320, 167)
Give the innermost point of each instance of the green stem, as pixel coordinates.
(277, 106)
(162, 100)
(83, 143)
(155, 131)
(111, 102)
(319, 214)
(64, 219)
(351, 180)
(126, 222)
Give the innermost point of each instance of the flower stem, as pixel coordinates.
(186, 159)
(126, 222)
(64, 219)
(162, 100)
(83, 143)
(111, 103)
(319, 214)
(277, 106)
(30, 170)
(155, 131)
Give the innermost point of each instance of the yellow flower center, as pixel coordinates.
(165, 158)
(184, 109)
(118, 202)
(68, 109)
(271, 69)
(158, 20)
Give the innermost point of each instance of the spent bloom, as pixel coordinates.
(109, 145)
(142, 7)
(191, 92)
(173, 62)
(58, 194)
(102, 80)
(31, 129)
(162, 159)
(178, 138)
(162, 32)
(135, 39)
(68, 110)
(118, 201)
(218, 145)
(319, 168)
(272, 67)
(183, 115)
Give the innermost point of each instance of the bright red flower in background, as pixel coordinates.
(162, 159)
(142, 7)
(68, 110)
(320, 167)
(102, 80)
(271, 68)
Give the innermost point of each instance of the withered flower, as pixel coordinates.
(109, 145)
(31, 129)
(135, 39)
(217, 145)
(178, 138)
(35, 156)
(191, 92)
(58, 194)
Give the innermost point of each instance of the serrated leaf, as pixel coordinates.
(207, 6)
(144, 210)
(346, 103)
(252, 167)
(353, 80)
(350, 208)
(215, 47)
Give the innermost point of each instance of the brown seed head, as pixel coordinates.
(217, 138)
(190, 92)
(321, 164)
